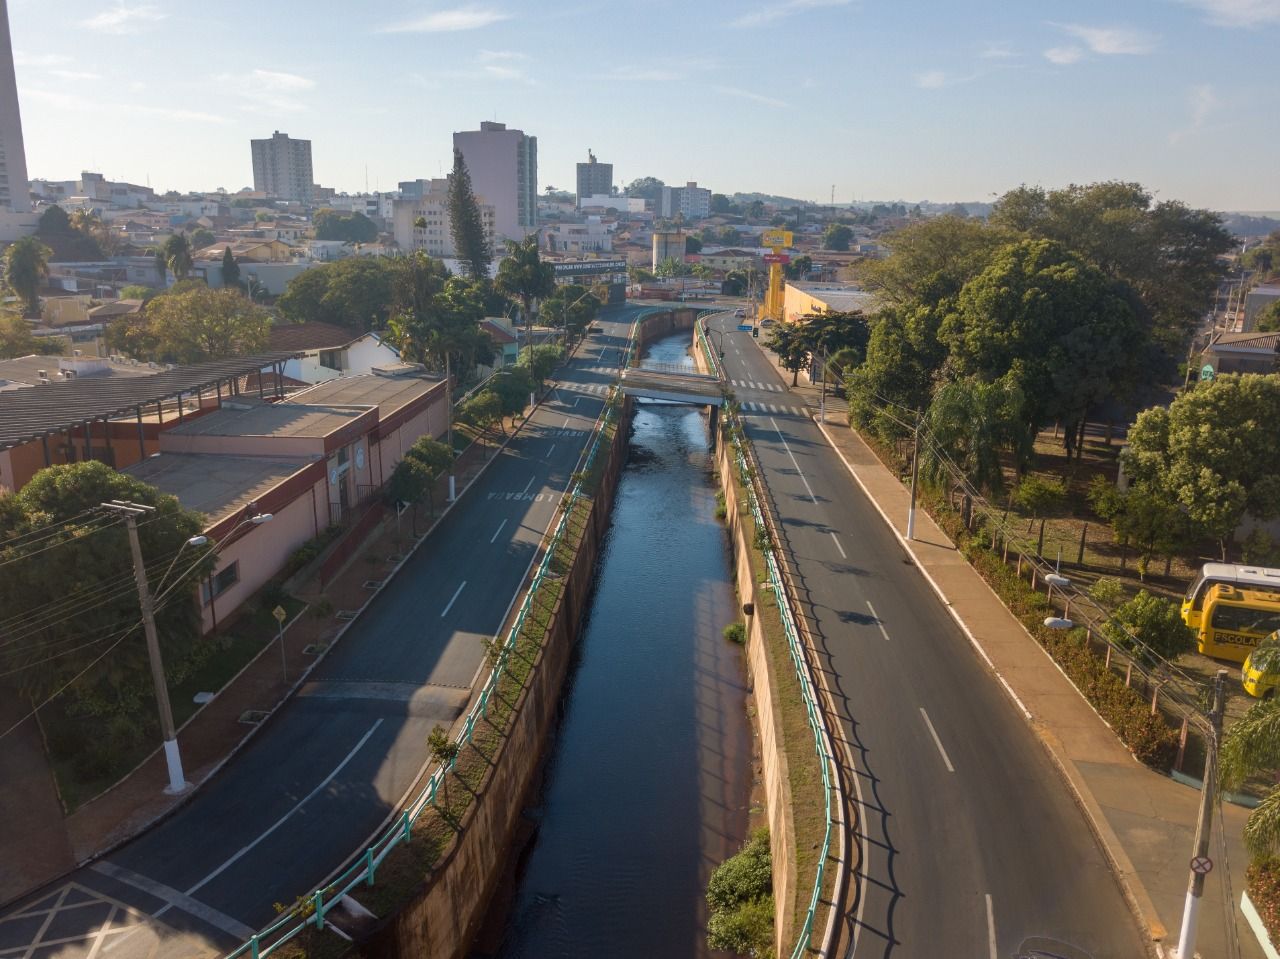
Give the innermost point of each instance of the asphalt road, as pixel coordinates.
(969, 843)
(336, 761)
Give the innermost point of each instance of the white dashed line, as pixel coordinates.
(836, 540)
(456, 594)
(494, 537)
(883, 632)
(799, 471)
(936, 741)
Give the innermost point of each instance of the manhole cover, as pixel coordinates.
(253, 717)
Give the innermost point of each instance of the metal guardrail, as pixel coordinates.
(799, 660)
(311, 911)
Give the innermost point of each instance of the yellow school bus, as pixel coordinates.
(1260, 674)
(1234, 620)
(1213, 574)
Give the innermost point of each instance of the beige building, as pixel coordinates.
(423, 222)
(799, 299)
(667, 246)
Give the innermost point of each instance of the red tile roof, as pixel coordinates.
(310, 336)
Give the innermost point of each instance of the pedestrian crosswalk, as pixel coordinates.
(776, 409)
(752, 385)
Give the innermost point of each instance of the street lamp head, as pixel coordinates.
(261, 518)
(1057, 622)
(198, 541)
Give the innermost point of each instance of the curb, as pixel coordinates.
(1131, 886)
(1250, 913)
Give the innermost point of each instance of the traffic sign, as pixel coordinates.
(744, 327)
(279, 614)
(1201, 865)
(776, 258)
(1207, 372)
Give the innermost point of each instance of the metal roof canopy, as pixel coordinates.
(61, 405)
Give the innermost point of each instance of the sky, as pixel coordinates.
(910, 100)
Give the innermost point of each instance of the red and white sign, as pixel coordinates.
(1201, 865)
(782, 258)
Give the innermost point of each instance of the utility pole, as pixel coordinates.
(173, 759)
(915, 473)
(448, 387)
(1200, 861)
(822, 396)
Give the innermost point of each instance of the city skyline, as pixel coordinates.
(860, 99)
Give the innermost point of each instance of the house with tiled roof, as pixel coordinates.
(1244, 353)
(327, 351)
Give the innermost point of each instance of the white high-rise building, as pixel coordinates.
(15, 194)
(504, 170)
(420, 221)
(690, 200)
(282, 167)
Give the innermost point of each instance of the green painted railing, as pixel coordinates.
(821, 740)
(311, 911)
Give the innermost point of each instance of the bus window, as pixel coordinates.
(1195, 593)
(1241, 619)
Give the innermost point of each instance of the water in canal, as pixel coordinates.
(648, 782)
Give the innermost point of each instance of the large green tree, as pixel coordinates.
(352, 227)
(836, 237)
(968, 425)
(524, 277)
(444, 331)
(645, 187)
(788, 341)
(83, 566)
(1206, 455)
(176, 253)
(931, 260)
(26, 265)
(571, 306)
(466, 226)
(904, 357)
(71, 240)
(355, 292)
(1067, 332)
(230, 269)
(16, 339)
(193, 325)
(1251, 747)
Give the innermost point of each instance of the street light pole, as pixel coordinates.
(172, 755)
(448, 392)
(1195, 887)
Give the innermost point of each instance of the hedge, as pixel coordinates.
(1263, 882)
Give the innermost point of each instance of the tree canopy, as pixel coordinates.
(571, 306)
(466, 226)
(352, 227)
(26, 265)
(16, 339)
(437, 317)
(646, 187)
(77, 563)
(836, 237)
(71, 240)
(355, 292)
(1202, 456)
(192, 325)
(523, 276)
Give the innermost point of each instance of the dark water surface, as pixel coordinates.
(648, 783)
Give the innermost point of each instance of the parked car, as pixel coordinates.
(739, 312)
(767, 322)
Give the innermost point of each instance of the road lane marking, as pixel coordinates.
(550, 451)
(991, 928)
(566, 423)
(836, 540)
(494, 538)
(215, 918)
(285, 818)
(456, 594)
(528, 484)
(793, 460)
(885, 633)
(936, 741)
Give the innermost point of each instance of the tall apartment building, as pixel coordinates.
(14, 196)
(504, 170)
(594, 179)
(690, 199)
(282, 167)
(420, 219)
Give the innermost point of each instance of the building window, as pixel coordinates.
(220, 582)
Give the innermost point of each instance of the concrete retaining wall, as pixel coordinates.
(777, 782)
(657, 325)
(442, 919)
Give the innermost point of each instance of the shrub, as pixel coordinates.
(722, 510)
(1262, 879)
(1108, 592)
(736, 633)
(744, 876)
(1156, 622)
(1040, 496)
(747, 929)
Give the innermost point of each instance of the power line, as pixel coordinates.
(84, 530)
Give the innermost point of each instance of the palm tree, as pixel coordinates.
(177, 255)
(26, 264)
(1249, 747)
(968, 423)
(523, 277)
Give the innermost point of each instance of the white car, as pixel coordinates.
(739, 312)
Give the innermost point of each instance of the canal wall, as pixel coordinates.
(655, 326)
(768, 719)
(441, 919)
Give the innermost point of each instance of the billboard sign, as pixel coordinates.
(776, 258)
(589, 267)
(776, 238)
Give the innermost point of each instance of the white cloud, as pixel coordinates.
(23, 59)
(74, 75)
(77, 104)
(749, 95)
(1239, 13)
(267, 91)
(125, 19)
(1202, 103)
(938, 79)
(1110, 40)
(495, 56)
(450, 21)
(781, 9)
(1063, 55)
(645, 74)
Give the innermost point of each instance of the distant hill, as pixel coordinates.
(1250, 224)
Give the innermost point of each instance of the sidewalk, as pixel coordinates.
(1144, 821)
